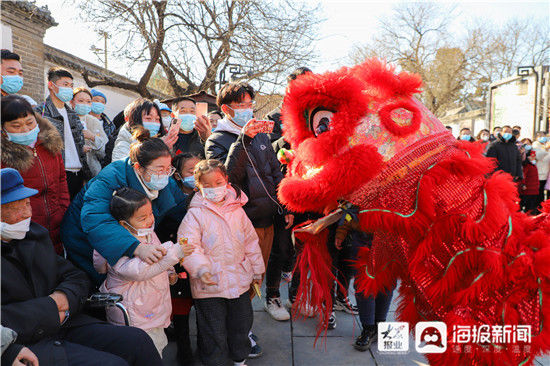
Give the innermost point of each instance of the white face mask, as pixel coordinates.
(142, 232)
(214, 194)
(15, 231)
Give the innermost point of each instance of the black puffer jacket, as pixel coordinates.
(507, 155)
(229, 148)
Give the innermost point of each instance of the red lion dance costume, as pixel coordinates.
(443, 222)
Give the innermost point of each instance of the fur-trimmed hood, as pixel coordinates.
(21, 157)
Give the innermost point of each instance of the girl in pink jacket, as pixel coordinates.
(145, 287)
(225, 261)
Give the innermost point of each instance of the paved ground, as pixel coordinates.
(291, 343)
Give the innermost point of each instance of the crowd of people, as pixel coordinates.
(525, 159)
(171, 210)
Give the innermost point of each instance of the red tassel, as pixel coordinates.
(316, 277)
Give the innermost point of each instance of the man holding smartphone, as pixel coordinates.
(242, 144)
(194, 126)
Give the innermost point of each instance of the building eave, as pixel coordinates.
(67, 60)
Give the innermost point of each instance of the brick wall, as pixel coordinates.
(28, 31)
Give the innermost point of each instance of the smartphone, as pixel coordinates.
(201, 109)
(267, 126)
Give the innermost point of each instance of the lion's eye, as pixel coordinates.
(320, 121)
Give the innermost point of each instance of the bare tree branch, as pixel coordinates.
(454, 69)
(192, 40)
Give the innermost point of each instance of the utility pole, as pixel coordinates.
(97, 51)
(105, 36)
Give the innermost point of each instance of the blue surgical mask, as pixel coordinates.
(82, 109)
(153, 127)
(242, 116)
(64, 94)
(506, 136)
(98, 107)
(157, 182)
(25, 138)
(187, 121)
(189, 182)
(465, 137)
(543, 140)
(11, 83)
(527, 147)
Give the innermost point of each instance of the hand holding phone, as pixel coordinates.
(266, 126)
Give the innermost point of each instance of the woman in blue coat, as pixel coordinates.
(88, 224)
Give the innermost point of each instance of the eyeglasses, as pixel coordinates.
(168, 172)
(251, 104)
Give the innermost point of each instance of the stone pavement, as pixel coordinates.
(291, 343)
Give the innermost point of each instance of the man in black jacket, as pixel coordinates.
(506, 153)
(43, 294)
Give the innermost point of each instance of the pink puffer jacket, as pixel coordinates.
(145, 287)
(226, 245)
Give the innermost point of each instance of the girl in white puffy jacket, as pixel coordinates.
(145, 287)
(225, 261)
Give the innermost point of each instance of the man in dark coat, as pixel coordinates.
(506, 153)
(43, 294)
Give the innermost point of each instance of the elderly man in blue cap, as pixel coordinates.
(43, 294)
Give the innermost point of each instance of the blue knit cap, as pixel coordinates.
(97, 93)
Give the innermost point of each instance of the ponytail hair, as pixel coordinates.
(125, 202)
(147, 149)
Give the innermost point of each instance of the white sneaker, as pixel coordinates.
(307, 311)
(239, 363)
(277, 311)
